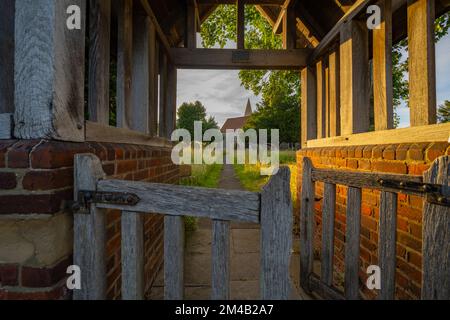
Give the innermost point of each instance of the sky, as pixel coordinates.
(221, 92)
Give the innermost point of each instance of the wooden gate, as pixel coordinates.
(434, 185)
(272, 209)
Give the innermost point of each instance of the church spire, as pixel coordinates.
(248, 110)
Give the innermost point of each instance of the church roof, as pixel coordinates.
(234, 123)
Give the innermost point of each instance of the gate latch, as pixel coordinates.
(86, 198)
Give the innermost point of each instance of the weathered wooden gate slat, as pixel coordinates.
(307, 224)
(220, 282)
(329, 204)
(276, 242)
(387, 249)
(190, 201)
(173, 258)
(436, 236)
(352, 238)
(132, 256)
(89, 229)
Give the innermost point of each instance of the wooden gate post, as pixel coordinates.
(89, 230)
(436, 236)
(276, 237)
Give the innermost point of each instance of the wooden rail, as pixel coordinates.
(272, 209)
(436, 217)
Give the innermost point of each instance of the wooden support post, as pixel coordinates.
(387, 255)
(382, 69)
(171, 100)
(328, 215)
(191, 28)
(173, 258)
(422, 62)
(124, 63)
(240, 24)
(321, 99)
(220, 283)
(153, 82)
(436, 236)
(354, 74)
(334, 98)
(276, 237)
(90, 232)
(352, 243)
(308, 106)
(140, 76)
(163, 96)
(307, 225)
(49, 71)
(133, 280)
(99, 60)
(327, 100)
(7, 9)
(289, 28)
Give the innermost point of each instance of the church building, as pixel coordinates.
(239, 122)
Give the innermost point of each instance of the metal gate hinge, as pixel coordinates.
(432, 192)
(86, 198)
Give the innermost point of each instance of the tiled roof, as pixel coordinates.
(234, 124)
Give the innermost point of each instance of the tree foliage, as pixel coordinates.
(444, 112)
(189, 113)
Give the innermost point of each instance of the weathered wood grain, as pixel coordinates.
(49, 71)
(430, 133)
(328, 213)
(171, 113)
(276, 236)
(324, 291)
(99, 60)
(231, 59)
(163, 95)
(140, 76)
(133, 280)
(192, 201)
(352, 239)
(89, 232)
(100, 133)
(308, 106)
(363, 179)
(382, 69)
(124, 63)
(321, 102)
(173, 258)
(154, 82)
(240, 27)
(354, 76)
(436, 236)
(307, 224)
(387, 254)
(220, 282)
(6, 125)
(422, 62)
(7, 9)
(334, 89)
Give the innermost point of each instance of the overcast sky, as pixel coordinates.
(224, 97)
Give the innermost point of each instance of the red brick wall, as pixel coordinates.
(36, 182)
(411, 159)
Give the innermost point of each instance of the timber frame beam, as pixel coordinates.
(230, 59)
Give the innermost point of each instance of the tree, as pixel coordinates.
(189, 113)
(282, 115)
(444, 112)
